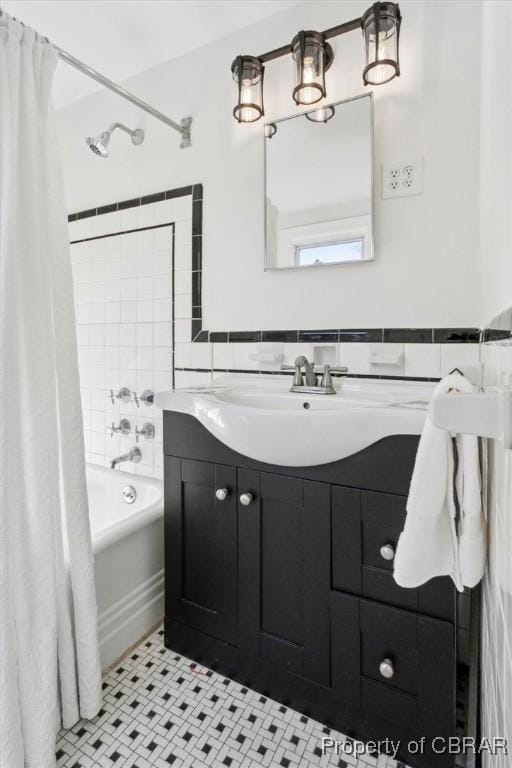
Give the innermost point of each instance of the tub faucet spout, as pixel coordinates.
(134, 454)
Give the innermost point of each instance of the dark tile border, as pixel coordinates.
(120, 232)
(319, 336)
(364, 334)
(344, 335)
(456, 335)
(408, 335)
(335, 335)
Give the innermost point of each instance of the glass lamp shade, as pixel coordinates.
(381, 30)
(248, 74)
(321, 115)
(312, 57)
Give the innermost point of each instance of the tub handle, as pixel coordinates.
(147, 397)
(123, 394)
(147, 431)
(123, 428)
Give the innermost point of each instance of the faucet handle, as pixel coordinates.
(147, 397)
(124, 394)
(123, 427)
(147, 431)
(298, 380)
(326, 381)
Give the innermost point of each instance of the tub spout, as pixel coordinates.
(134, 454)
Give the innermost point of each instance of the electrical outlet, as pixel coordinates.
(402, 179)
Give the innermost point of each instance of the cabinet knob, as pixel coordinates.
(221, 494)
(246, 499)
(387, 552)
(386, 668)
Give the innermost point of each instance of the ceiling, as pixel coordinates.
(121, 38)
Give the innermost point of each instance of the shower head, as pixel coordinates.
(99, 143)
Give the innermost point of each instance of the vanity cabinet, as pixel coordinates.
(281, 578)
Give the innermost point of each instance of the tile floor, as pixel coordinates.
(160, 709)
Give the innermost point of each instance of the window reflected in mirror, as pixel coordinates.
(319, 188)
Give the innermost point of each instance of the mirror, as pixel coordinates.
(319, 187)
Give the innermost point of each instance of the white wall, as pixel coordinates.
(496, 281)
(426, 268)
(496, 159)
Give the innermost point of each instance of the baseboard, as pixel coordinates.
(125, 622)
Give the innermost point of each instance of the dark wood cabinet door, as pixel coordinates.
(284, 572)
(397, 668)
(201, 547)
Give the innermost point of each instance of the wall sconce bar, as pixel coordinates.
(339, 29)
(313, 55)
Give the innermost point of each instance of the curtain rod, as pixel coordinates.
(183, 127)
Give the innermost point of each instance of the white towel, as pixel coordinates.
(472, 524)
(429, 545)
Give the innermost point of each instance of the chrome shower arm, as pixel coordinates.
(121, 127)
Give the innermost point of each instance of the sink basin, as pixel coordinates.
(259, 418)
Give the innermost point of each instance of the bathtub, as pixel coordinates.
(128, 557)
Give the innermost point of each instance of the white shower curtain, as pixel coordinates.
(50, 669)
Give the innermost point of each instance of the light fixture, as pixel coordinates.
(321, 114)
(248, 74)
(313, 55)
(270, 130)
(381, 30)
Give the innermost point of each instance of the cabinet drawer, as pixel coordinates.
(365, 529)
(388, 634)
(394, 666)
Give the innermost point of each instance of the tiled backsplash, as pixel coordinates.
(496, 653)
(195, 363)
(123, 258)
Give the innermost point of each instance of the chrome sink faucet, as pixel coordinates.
(308, 384)
(134, 454)
(309, 371)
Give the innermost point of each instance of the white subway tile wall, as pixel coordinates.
(123, 295)
(497, 586)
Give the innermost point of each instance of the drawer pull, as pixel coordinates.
(221, 494)
(246, 499)
(387, 552)
(386, 668)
